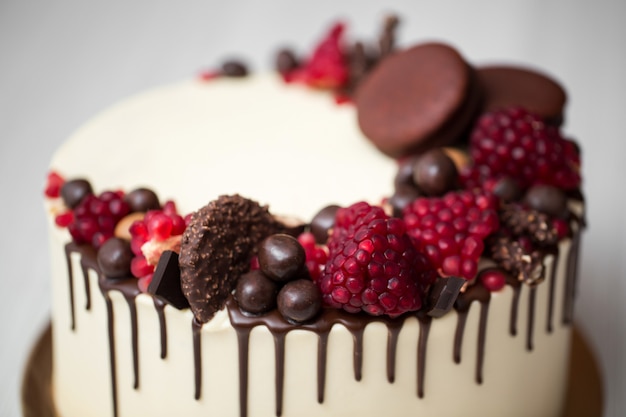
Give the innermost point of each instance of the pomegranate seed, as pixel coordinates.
(64, 219)
(53, 186)
(139, 267)
(159, 226)
(144, 282)
(493, 279)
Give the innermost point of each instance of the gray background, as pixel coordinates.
(62, 62)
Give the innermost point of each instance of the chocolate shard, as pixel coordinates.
(442, 295)
(165, 283)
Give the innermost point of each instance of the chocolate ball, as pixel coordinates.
(402, 197)
(404, 176)
(322, 222)
(507, 189)
(299, 300)
(286, 61)
(234, 69)
(114, 257)
(281, 257)
(547, 199)
(74, 191)
(435, 173)
(255, 293)
(142, 199)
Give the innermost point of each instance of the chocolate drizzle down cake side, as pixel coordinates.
(367, 230)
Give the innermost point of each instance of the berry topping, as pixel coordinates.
(547, 199)
(281, 257)
(74, 191)
(435, 173)
(494, 279)
(299, 301)
(516, 143)
(327, 67)
(256, 293)
(451, 229)
(143, 199)
(114, 258)
(372, 264)
(316, 255)
(54, 182)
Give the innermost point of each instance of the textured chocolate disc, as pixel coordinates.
(514, 86)
(416, 99)
(216, 250)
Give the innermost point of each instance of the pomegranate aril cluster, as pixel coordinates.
(451, 230)
(518, 144)
(372, 265)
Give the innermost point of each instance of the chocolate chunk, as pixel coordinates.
(281, 257)
(234, 69)
(74, 191)
(513, 86)
(299, 301)
(142, 199)
(165, 283)
(286, 61)
(435, 173)
(417, 99)
(547, 199)
(322, 222)
(114, 257)
(256, 293)
(216, 250)
(443, 294)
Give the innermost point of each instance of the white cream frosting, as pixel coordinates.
(297, 151)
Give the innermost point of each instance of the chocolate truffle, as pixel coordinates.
(435, 173)
(547, 199)
(299, 300)
(142, 199)
(114, 257)
(74, 191)
(255, 293)
(322, 222)
(281, 257)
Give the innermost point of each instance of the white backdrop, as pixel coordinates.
(61, 63)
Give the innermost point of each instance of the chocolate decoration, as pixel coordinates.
(234, 69)
(322, 222)
(442, 101)
(114, 258)
(165, 284)
(435, 173)
(256, 293)
(281, 257)
(73, 191)
(507, 189)
(547, 199)
(216, 249)
(403, 196)
(514, 86)
(299, 301)
(286, 61)
(142, 200)
(404, 175)
(354, 323)
(443, 295)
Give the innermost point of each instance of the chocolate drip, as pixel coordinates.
(393, 331)
(474, 293)
(279, 347)
(87, 286)
(571, 278)
(160, 309)
(357, 336)
(134, 337)
(551, 288)
(70, 274)
(243, 339)
(424, 324)
(196, 328)
(322, 353)
(532, 296)
(516, 286)
(112, 356)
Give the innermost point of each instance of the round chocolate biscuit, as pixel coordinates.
(514, 86)
(216, 249)
(417, 99)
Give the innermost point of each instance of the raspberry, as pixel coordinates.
(372, 265)
(327, 67)
(451, 230)
(518, 144)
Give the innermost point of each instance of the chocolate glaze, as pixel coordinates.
(321, 326)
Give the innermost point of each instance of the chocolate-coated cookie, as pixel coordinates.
(216, 250)
(416, 99)
(513, 86)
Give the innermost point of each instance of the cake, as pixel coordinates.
(358, 233)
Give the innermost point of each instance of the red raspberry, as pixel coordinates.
(372, 265)
(518, 144)
(451, 230)
(327, 67)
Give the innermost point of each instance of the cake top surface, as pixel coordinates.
(255, 136)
